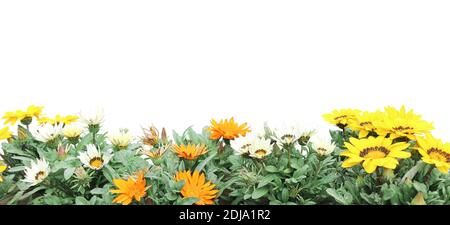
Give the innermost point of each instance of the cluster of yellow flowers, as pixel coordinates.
(384, 137)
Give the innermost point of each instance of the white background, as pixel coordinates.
(181, 63)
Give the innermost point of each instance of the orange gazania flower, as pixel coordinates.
(196, 187)
(227, 129)
(190, 151)
(130, 189)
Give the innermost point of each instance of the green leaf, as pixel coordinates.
(420, 187)
(17, 169)
(81, 201)
(266, 180)
(285, 195)
(31, 192)
(271, 169)
(345, 200)
(204, 162)
(98, 191)
(68, 173)
(188, 201)
(259, 192)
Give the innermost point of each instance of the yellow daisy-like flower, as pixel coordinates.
(133, 188)
(195, 186)
(190, 151)
(65, 119)
(228, 129)
(2, 169)
(364, 123)
(13, 117)
(374, 152)
(402, 124)
(5, 133)
(44, 120)
(34, 111)
(341, 117)
(23, 116)
(435, 152)
(58, 119)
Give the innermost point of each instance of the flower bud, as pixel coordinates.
(419, 199)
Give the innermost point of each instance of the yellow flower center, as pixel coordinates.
(322, 151)
(96, 162)
(40, 175)
(376, 152)
(260, 152)
(439, 155)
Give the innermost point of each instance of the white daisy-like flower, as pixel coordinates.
(73, 130)
(287, 135)
(93, 158)
(92, 117)
(37, 172)
(306, 135)
(324, 146)
(46, 132)
(241, 146)
(260, 148)
(120, 139)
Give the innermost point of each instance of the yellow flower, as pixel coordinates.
(121, 139)
(196, 187)
(34, 111)
(58, 119)
(435, 152)
(65, 120)
(341, 117)
(154, 154)
(73, 131)
(5, 133)
(130, 189)
(374, 152)
(13, 117)
(402, 124)
(364, 122)
(190, 151)
(2, 169)
(227, 129)
(44, 120)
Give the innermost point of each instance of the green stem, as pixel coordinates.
(289, 155)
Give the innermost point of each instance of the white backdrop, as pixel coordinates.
(180, 63)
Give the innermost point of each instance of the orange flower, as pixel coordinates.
(196, 187)
(129, 189)
(227, 129)
(190, 151)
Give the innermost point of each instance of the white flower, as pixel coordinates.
(120, 139)
(73, 130)
(287, 135)
(92, 117)
(324, 146)
(260, 148)
(306, 135)
(93, 158)
(37, 172)
(46, 132)
(241, 146)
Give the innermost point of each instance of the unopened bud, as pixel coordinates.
(419, 199)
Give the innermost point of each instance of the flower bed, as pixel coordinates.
(382, 157)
